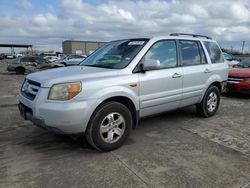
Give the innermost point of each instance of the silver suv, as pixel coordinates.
(124, 81)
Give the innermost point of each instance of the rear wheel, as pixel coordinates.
(20, 70)
(109, 126)
(210, 102)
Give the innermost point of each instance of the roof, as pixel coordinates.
(16, 45)
(83, 41)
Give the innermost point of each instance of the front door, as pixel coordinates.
(161, 89)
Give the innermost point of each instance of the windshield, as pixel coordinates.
(115, 55)
(244, 64)
(227, 56)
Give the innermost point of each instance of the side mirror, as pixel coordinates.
(151, 64)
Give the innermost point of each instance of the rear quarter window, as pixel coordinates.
(214, 52)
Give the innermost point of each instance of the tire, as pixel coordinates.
(210, 102)
(20, 70)
(103, 128)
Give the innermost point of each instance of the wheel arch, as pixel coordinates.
(126, 101)
(20, 67)
(217, 84)
(214, 82)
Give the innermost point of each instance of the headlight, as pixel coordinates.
(247, 80)
(64, 91)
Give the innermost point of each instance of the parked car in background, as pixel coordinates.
(123, 81)
(230, 59)
(30, 64)
(239, 78)
(72, 60)
(19, 55)
(2, 56)
(9, 56)
(52, 58)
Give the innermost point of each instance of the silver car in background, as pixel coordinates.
(124, 81)
(28, 64)
(71, 60)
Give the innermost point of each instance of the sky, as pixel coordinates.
(46, 23)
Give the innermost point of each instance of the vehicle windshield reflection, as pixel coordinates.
(115, 55)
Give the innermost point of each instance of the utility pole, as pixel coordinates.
(243, 45)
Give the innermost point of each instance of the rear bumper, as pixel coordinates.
(242, 87)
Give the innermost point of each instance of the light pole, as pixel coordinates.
(243, 45)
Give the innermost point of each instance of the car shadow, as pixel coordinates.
(166, 118)
(237, 95)
(12, 73)
(49, 143)
(46, 142)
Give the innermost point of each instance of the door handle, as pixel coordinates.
(176, 75)
(207, 71)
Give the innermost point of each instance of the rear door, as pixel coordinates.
(161, 89)
(196, 71)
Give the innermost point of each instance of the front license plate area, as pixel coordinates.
(22, 110)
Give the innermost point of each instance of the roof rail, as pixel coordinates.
(193, 35)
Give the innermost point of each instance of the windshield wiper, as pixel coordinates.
(100, 66)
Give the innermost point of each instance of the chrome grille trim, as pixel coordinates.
(29, 90)
(234, 80)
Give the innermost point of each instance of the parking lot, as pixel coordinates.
(175, 149)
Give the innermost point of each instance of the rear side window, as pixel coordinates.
(214, 52)
(191, 54)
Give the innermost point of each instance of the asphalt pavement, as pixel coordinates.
(175, 149)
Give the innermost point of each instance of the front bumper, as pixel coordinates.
(69, 117)
(11, 68)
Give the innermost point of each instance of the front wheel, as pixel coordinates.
(20, 70)
(210, 102)
(109, 126)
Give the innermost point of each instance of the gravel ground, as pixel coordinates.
(175, 149)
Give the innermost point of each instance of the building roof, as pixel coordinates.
(83, 41)
(16, 45)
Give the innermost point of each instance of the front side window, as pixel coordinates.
(26, 59)
(227, 57)
(190, 53)
(115, 55)
(214, 52)
(164, 52)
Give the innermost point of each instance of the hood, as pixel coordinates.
(240, 72)
(70, 74)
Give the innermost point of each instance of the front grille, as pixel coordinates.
(234, 80)
(30, 89)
